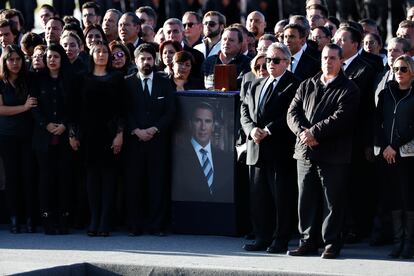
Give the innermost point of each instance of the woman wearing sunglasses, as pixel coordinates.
(394, 129)
(121, 58)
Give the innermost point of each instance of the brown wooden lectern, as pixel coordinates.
(225, 77)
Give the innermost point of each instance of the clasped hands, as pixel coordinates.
(258, 134)
(307, 138)
(145, 134)
(389, 155)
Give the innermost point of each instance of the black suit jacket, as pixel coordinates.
(189, 181)
(373, 60)
(280, 144)
(158, 110)
(307, 67)
(363, 75)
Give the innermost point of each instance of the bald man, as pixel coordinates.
(256, 23)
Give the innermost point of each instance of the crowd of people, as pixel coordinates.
(326, 114)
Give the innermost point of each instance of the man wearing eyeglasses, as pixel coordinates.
(174, 30)
(91, 14)
(213, 25)
(322, 115)
(192, 28)
(316, 15)
(269, 152)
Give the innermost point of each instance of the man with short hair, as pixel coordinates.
(264, 42)
(91, 14)
(151, 112)
(302, 65)
(110, 24)
(213, 25)
(230, 53)
(317, 15)
(269, 152)
(129, 27)
(8, 33)
(53, 30)
(310, 47)
(256, 23)
(147, 15)
(406, 30)
(174, 30)
(322, 116)
(192, 28)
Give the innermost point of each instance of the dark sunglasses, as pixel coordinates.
(189, 25)
(275, 60)
(211, 24)
(403, 69)
(118, 55)
(257, 67)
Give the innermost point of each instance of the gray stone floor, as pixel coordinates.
(183, 254)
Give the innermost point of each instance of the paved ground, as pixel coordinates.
(183, 254)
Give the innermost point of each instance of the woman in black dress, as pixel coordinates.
(101, 133)
(53, 88)
(15, 135)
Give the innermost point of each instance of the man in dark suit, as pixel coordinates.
(174, 30)
(269, 152)
(150, 115)
(201, 171)
(302, 65)
(359, 216)
(322, 116)
(129, 28)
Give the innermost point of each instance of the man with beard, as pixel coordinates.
(213, 25)
(91, 14)
(256, 23)
(151, 112)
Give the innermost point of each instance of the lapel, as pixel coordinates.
(280, 88)
(258, 91)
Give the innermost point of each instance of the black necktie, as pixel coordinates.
(266, 95)
(292, 62)
(146, 90)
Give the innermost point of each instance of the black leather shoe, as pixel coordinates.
(330, 252)
(104, 234)
(257, 246)
(92, 233)
(303, 250)
(277, 248)
(30, 228)
(14, 225)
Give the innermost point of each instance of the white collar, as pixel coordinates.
(197, 147)
(142, 76)
(298, 55)
(348, 61)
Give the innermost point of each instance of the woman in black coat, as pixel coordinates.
(16, 135)
(52, 88)
(395, 142)
(101, 125)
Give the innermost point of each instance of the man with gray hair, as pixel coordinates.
(174, 30)
(110, 24)
(269, 152)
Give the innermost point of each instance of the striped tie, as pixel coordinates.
(207, 169)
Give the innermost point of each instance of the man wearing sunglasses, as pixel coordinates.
(269, 152)
(322, 116)
(192, 28)
(213, 25)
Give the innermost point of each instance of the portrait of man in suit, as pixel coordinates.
(201, 170)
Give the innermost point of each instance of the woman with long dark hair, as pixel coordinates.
(53, 87)
(15, 136)
(101, 134)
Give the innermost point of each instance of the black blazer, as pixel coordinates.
(189, 181)
(279, 145)
(158, 110)
(307, 67)
(52, 107)
(363, 75)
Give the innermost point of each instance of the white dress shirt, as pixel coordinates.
(197, 147)
(150, 78)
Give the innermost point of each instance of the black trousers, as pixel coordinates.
(147, 192)
(100, 183)
(271, 194)
(55, 178)
(400, 187)
(331, 178)
(18, 162)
